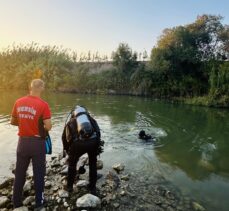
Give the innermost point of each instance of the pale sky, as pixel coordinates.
(98, 25)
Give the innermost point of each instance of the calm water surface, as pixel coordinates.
(191, 150)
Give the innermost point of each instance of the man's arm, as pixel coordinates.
(47, 124)
(14, 121)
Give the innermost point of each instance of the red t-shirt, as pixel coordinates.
(30, 112)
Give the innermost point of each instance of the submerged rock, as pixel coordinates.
(197, 206)
(88, 200)
(99, 164)
(118, 167)
(125, 177)
(207, 165)
(48, 184)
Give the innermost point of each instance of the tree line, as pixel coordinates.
(189, 62)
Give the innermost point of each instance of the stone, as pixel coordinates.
(55, 163)
(197, 206)
(169, 195)
(58, 200)
(64, 170)
(28, 200)
(83, 160)
(56, 188)
(63, 194)
(6, 183)
(113, 180)
(125, 177)
(82, 183)
(99, 164)
(21, 209)
(116, 205)
(48, 171)
(48, 184)
(54, 157)
(27, 187)
(63, 161)
(5, 192)
(3, 201)
(122, 193)
(30, 172)
(118, 167)
(88, 200)
(66, 204)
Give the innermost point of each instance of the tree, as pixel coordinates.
(185, 54)
(124, 59)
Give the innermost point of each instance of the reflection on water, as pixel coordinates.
(190, 149)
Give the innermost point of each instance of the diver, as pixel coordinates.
(82, 135)
(142, 135)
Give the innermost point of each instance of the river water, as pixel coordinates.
(190, 152)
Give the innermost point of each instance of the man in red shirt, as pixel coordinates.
(33, 117)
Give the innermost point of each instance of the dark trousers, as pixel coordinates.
(29, 148)
(77, 149)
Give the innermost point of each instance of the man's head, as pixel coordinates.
(37, 86)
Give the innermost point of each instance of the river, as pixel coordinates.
(190, 152)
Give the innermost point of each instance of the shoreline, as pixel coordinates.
(117, 189)
(203, 101)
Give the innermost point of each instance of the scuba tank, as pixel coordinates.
(84, 126)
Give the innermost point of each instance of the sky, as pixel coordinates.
(98, 25)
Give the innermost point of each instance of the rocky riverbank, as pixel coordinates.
(116, 190)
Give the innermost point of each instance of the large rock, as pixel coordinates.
(3, 201)
(88, 200)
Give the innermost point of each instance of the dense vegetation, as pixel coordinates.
(189, 62)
